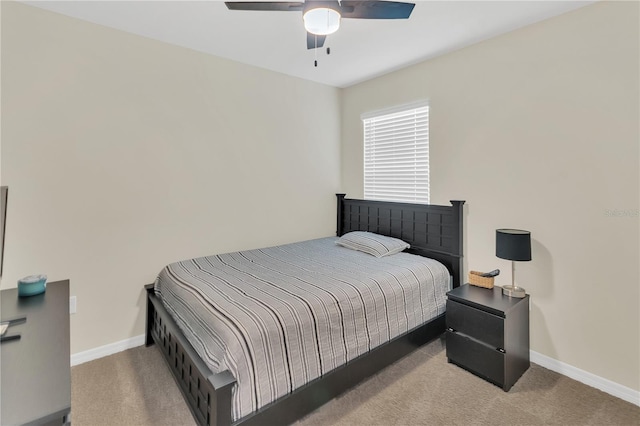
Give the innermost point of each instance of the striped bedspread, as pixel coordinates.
(279, 317)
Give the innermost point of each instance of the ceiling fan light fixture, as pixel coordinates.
(321, 20)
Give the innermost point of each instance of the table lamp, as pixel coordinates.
(513, 245)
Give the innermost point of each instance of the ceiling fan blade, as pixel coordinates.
(376, 9)
(311, 41)
(281, 6)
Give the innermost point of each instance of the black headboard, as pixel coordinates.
(433, 231)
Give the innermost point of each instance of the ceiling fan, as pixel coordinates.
(322, 18)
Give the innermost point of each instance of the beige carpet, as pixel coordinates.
(135, 388)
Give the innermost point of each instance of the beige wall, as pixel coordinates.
(123, 154)
(538, 129)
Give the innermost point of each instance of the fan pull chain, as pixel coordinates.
(315, 52)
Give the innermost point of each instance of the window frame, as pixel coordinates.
(421, 187)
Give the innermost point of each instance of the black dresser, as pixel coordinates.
(488, 333)
(36, 369)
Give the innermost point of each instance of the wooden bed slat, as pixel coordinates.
(208, 395)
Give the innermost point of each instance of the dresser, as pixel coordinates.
(35, 385)
(488, 333)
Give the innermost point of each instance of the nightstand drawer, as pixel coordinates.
(480, 325)
(476, 357)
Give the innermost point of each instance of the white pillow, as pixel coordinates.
(373, 244)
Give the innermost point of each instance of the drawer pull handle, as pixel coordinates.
(450, 329)
(502, 350)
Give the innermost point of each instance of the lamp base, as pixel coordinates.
(513, 291)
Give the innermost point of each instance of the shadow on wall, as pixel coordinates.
(465, 239)
(141, 303)
(539, 272)
(540, 284)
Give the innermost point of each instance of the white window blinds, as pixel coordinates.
(396, 154)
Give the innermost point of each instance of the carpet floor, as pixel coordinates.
(135, 387)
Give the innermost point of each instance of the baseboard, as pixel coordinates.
(106, 350)
(582, 376)
(605, 385)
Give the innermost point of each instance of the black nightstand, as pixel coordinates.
(488, 333)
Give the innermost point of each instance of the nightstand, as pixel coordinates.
(488, 333)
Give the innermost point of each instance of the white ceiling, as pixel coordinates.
(360, 50)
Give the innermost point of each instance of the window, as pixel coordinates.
(396, 154)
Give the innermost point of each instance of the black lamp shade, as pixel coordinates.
(513, 244)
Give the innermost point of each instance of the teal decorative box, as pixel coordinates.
(32, 285)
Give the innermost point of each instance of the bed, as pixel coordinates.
(307, 306)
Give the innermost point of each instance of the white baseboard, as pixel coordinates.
(582, 376)
(605, 385)
(106, 350)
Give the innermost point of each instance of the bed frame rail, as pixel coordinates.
(210, 399)
(313, 395)
(208, 395)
